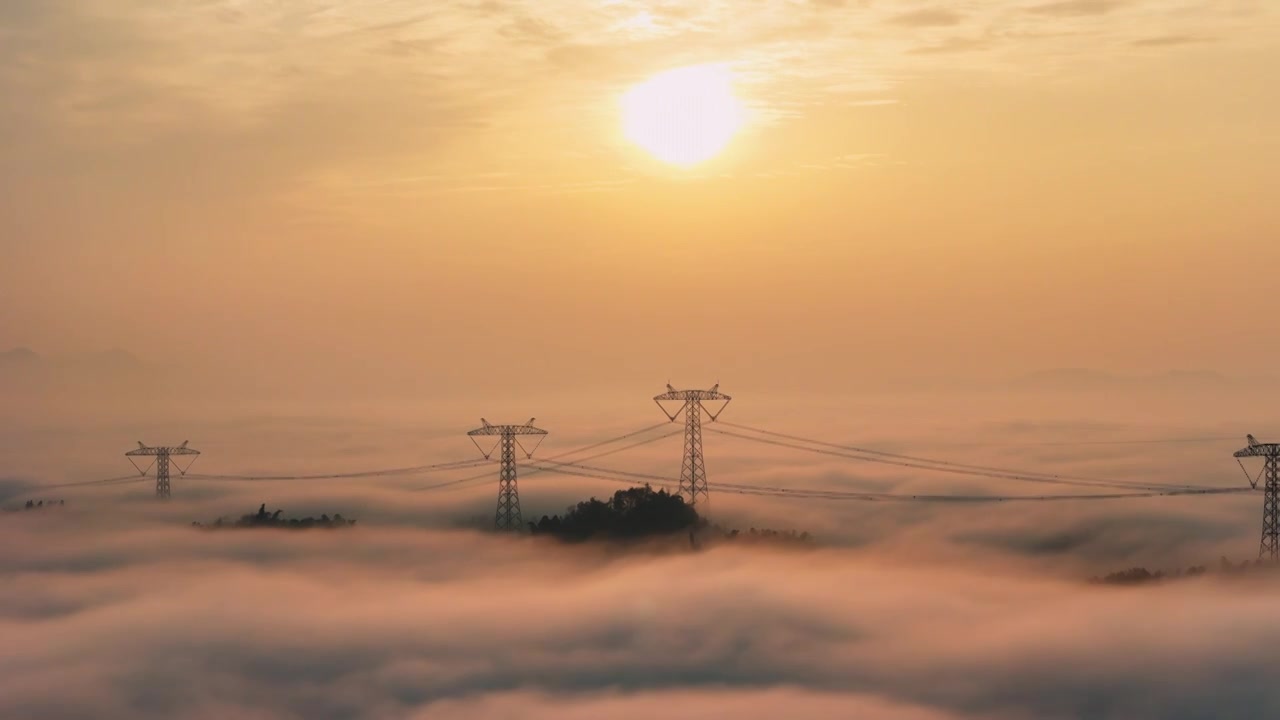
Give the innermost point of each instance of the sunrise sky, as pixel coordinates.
(300, 191)
(1029, 241)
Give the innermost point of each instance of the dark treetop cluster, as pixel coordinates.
(766, 536)
(642, 512)
(1141, 576)
(633, 513)
(264, 519)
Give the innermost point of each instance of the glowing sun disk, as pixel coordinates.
(683, 116)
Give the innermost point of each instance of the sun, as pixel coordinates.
(683, 116)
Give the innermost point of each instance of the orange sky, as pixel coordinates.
(301, 191)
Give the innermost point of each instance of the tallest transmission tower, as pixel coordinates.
(1269, 548)
(693, 469)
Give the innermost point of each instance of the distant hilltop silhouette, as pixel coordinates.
(25, 373)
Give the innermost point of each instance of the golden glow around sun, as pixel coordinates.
(683, 116)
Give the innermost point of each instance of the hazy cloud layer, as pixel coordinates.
(114, 607)
(155, 619)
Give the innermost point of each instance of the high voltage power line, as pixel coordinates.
(558, 464)
(1014, 474)
(610, 441)
(564, 466)
(104, 482)
(455, 483)
(884, 458)
(963, 499)
(694, 483)
(1077, 443)
(624, 476)
(1137, 489)
(461, 482)
(614, 451)
(384, 472)
(412, 470)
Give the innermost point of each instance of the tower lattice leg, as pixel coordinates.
(162, 476)
(1269, 548)
(507, 516)
(693, 469)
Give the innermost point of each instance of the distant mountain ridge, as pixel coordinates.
(19, 358)
(28, 369)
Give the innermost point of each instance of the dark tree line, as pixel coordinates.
(642, 512)
(264, 519)
(765, 535)
(630, 514)
(1141, 575)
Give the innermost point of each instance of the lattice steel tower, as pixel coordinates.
(162, 455)
(693, 468)
(1269, 475)
(507, 516)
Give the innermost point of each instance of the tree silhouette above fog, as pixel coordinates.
(642, 512)
(765, 535)
(630, 514)
(1143, 576)
(264, 519)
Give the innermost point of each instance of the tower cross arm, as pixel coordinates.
(152, 451)
(507, 430)
(526, 430)
(702, 395)
(163, 455)
(1263, 450)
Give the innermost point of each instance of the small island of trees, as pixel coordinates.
(641, 513)
(630, 514)
(264, 519)
(1143, 576)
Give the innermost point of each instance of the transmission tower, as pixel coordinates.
(507, 516)
(693, 469)
(162, 455)
(1269, 548)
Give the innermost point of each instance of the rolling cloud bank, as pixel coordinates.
(114, 607)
